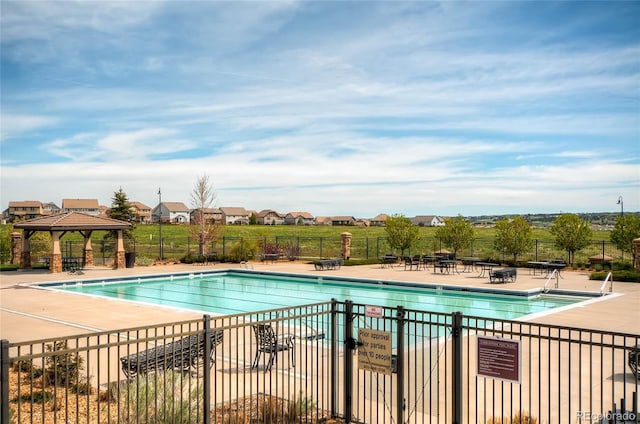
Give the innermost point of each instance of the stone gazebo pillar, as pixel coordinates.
(16, 248)
(56, 253)
(25, 255)
(119, 261)
(345, 247)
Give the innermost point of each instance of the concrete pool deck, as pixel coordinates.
(31, 313)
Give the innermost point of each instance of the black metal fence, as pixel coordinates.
(341, 360)
(309, 248)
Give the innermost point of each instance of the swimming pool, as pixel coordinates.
(232, 291)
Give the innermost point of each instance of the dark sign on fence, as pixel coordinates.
(498, 358)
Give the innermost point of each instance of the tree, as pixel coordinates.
(122, 210)
(401, 233)
(572, 233)
(513, 236)
(457, 233)
(202, 199)
(627, 229)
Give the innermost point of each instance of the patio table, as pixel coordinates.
(486, 266)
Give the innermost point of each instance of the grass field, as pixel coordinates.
(307, 242)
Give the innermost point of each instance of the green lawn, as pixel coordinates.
(312, 242)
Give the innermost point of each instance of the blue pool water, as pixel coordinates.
(232, 292)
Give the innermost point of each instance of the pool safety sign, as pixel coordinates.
(374, 352)
(499, 358)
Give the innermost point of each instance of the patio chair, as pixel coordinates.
(270, 343)
(634, 358)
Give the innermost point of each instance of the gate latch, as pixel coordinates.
(353, 343)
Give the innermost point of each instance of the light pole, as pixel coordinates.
(621, 203)
(160, 222)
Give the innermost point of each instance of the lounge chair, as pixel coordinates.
(181, 354)
(270, 343)
(503, 275)
(327, 264)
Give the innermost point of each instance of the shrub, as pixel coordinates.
(62, 369)
(299, 408)
(188, 259)
(518, 418)
(38, 396)
(168, 397)
(623, 276)
(26, 367)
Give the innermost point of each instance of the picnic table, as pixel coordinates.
(446, 266)
(486, 266)
(469, 263)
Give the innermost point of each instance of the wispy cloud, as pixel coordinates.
(333, 107)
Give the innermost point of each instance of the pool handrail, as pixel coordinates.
(555, 273)
(604, 283)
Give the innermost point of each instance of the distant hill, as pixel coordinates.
(599, 220)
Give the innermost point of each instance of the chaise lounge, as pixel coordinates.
(181, 355)
(503, 275)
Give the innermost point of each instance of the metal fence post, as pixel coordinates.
(456, 377)
(349, 346)
(334, 357)
(207, 368)
(400, 320)
(4, 380)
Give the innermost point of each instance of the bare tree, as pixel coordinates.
(203, 228)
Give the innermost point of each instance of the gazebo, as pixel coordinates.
(59, 225)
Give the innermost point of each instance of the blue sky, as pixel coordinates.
(336, 108)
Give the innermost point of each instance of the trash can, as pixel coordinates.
(130, 259)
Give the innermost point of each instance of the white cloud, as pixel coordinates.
(13, 125)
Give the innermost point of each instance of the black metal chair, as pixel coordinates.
(634, 358)
(268, 342)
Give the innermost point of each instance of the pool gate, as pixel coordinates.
(328, 362)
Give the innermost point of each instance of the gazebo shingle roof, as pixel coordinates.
(72, 221)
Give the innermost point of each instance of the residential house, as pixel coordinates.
(361, 222)
(323, 220)
(51, 208)
(23, 210)
(143, 211)
(299, 218)
(343, 220)
(172, 212)
(235, 215)
(270, 217)
(210, 215)
(88, 206)
(380, 220)
(427, 221)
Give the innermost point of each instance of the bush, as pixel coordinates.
(623, 276)
(518, 418)
(168, 397)
(188, 259)
(62, 369)
(9, 267)
(354, 262)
